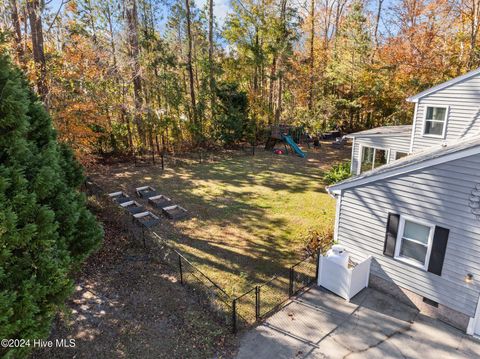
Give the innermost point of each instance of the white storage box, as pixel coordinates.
(345, 281)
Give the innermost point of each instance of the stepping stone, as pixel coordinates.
(146, 192)
(160, 201)
(133, 207)
(174, 212)
(119, 197)
(147, 219)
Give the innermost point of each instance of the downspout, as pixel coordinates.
(414, 126)
(351, 158)
(338, 197)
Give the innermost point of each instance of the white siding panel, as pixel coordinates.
(438, 194)
(463, 100)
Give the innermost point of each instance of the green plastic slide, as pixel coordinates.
(289, 140)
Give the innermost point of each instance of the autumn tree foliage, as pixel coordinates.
(135, 75)
(46, 231)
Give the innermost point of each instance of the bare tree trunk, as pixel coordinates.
(17, 31)
(35, 15)
(377, 22)
(278, 110)
(338, 16)
(108, 14)
(474, 22)
(257, 67)
(131, 12)
(210, 58)
(312, 54)
(190, 68)
(92, 21)
(273, 70)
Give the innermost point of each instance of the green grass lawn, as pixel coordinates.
(248, 214)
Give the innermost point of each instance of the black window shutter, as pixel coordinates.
(391, 235)
(439, 246)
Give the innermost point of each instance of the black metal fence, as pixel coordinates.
(239, 312)
(213, 294)
(262, 300)
(245, 310)
(303, 274)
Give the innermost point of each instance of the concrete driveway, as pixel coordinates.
(318, 324)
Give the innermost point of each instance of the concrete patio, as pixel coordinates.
(319, 324)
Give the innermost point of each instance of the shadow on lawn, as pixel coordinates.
(135, 309)
(258, 246)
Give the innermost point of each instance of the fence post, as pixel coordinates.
(180, 267)
(257, 303)
(290, 287)
(234, 316)
(317, 265)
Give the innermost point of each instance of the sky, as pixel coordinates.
(220, 9)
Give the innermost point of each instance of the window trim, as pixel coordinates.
(447, 112)
(360, 155)
(398, 244)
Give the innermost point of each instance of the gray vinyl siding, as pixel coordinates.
(438, 195)
(463, 100)
(393, 143)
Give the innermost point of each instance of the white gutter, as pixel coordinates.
(413, 126)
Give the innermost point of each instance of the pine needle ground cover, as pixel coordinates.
(248, 214)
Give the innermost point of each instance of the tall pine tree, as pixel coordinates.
(45, 228)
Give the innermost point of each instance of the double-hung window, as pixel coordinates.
(372, 157)
(435, 121)
(414, 242)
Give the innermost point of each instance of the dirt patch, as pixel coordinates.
(128, 305)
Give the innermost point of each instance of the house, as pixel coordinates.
(379, 146)
(445, 112)
(418, 216)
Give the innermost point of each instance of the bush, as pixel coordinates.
(319, 239)
(46, 230)
(338, 173)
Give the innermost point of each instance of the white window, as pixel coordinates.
(372, 157)
(414, 242)
(435, 122)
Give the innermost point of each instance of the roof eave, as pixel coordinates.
(394, 134)
(444, 85)
(396, 171)
(332, 191)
